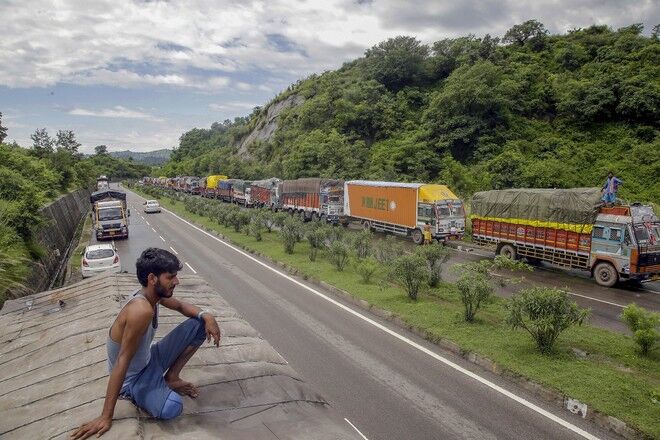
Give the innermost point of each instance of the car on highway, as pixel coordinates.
(151, 206)
(100, 258)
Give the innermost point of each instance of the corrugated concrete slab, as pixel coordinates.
(53, 372)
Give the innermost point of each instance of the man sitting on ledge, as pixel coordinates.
(145, 373)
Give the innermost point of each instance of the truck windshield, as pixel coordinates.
(110, 214)
(450, 211)
(647, 233)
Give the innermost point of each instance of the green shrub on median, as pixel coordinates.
(544, 313)
(644, 326)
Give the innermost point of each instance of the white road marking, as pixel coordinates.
(190, 267)
(147, 222)
(173, 250)
(358, 431)
(154, 230)
(161, 237)
(404, 339)
(594, 299)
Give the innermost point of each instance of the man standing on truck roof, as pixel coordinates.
(610, 188)
(149, 374)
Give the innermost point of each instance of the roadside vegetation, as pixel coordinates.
(540, 334)
(33, 177)
(525, 109)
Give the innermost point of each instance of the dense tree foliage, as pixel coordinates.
(529, 110)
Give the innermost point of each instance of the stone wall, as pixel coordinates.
(63, 217)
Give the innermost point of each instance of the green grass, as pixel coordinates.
(613, 379)
(84, 236)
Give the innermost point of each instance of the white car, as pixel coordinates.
(151, 206)
(100, 258)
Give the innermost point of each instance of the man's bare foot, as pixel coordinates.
(182, 387)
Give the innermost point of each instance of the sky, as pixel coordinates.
(137, 74)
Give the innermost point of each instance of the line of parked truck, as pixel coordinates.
(399, 208)
(568, 228)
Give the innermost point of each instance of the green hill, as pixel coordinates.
(156, 157)
(526, 110)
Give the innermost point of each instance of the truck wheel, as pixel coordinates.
(508, 251)
(417, 236)
(315, 217)
(605, 274)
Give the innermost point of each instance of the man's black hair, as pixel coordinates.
(156, 261)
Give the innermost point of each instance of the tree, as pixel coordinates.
(315, 235)
(338, 254)
(435, 256)
(101, 150)
(410, 271)
(42, 144)
(290, 233)
(529, 31)
(3, 130)
(474, 289)
(544, 313)
(366, 268)
(397, 62)
(66, 140)
(644, 326)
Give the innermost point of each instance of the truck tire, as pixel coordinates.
(417, 236)
(605, 274)
(508, 251)
(314, 217)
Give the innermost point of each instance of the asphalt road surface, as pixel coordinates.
(388, 383)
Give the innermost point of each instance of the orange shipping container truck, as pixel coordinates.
(405, 208)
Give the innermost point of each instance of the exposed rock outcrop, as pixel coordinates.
(268, 123)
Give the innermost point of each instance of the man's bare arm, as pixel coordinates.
(138, 317)
(211, 325)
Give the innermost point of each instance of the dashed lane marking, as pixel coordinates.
(190, 267)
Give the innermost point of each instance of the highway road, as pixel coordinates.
(388, 383)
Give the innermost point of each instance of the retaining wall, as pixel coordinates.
(62, 218)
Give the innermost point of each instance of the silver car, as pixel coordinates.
(151, 206)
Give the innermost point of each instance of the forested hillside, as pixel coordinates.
(528, 109)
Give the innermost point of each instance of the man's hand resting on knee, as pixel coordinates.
(212, 329)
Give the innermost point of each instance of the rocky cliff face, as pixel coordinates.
(268, 123)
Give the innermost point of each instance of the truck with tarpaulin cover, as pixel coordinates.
(570, 228)
(209, 185)
(405, 208)
(312, 198)
(263, 193)
(241, 192)
(110, 214)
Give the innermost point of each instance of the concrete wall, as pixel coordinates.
(63, 217)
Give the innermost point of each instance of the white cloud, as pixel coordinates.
(115, 112)
(130, 43)
(232, 106)
(243, 86)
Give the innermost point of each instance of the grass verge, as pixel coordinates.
(612, 378)
(84, 236)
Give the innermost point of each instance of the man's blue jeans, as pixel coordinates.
(149, 390)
